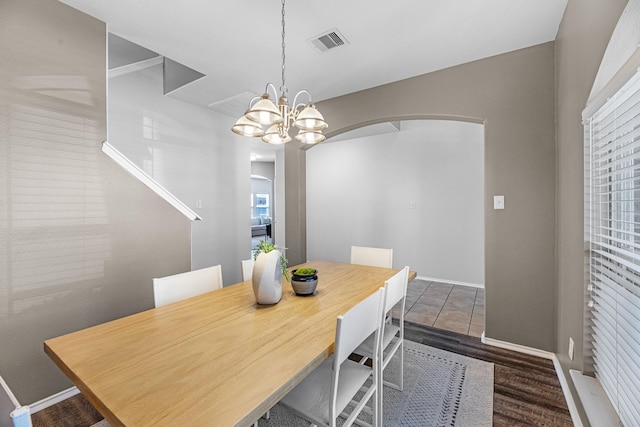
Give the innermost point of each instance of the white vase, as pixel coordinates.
(267, 278)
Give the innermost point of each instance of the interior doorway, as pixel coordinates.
(416, 186)
(262, 206)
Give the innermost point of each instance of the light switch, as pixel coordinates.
(498, 202)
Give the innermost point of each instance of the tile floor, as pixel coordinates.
(455, 308)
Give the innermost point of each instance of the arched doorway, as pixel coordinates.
(415, 186)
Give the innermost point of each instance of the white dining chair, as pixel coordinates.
(247, 268)
(374, 257)
(12, 414)
(392, 336)
(327, 391)
(185, 285)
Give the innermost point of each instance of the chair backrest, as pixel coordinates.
(357, 325)
(186, 285)
(247, 268)
(375, 257)
(396, 289)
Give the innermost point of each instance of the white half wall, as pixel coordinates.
(419, 191)
(192, 152)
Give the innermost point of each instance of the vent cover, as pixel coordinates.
(234, 106)
(328, 40)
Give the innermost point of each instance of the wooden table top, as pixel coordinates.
(216, 359)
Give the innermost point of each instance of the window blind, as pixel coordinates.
(613, 221)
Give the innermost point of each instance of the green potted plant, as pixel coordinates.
(268, 270)
(304, 281)
(265, 246)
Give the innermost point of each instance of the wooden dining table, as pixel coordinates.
(218, 359)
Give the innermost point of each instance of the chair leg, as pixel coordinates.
(377, 419)
(401, 382)
(379, 379)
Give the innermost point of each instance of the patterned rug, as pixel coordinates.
(441, 389)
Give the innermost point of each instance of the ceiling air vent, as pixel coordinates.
(328, 40)
(234, 106)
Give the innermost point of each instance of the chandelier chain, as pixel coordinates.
(283, 89)
(273, 122)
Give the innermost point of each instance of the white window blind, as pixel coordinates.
(613, 220)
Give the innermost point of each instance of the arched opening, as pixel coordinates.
(416, 186)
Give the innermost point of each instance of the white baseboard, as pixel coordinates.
(451, 282)
(520, 348)
(52, 400)
(571, 404)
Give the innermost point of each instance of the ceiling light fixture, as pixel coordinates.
(278, 119)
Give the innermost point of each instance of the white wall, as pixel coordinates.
(265, 169)
(192, 152)
(360, 192)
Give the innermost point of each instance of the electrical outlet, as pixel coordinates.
(570, 348)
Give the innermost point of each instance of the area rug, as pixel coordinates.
(441, 389)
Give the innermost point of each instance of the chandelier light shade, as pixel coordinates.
(272, 122)
(264, 112)
(247, 127)
(310, 119)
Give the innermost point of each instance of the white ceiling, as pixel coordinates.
(237, 44)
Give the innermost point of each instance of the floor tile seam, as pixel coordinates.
(473, 309)
(419, 296)
(457, 309)
(464, 299)
(445, 321)
(457, 321)
(453, 322)
(466, 305)
(468, 322)
(456, 313)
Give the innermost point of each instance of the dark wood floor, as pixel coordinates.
(526, 388)
(73, 412)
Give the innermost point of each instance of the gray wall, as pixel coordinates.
(419, 191)
(191, 152)
(278, 227)
(513, 94)
(582, 39)
(266, 169)
(80, 239)
(295, 210)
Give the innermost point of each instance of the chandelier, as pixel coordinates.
(272, 122)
